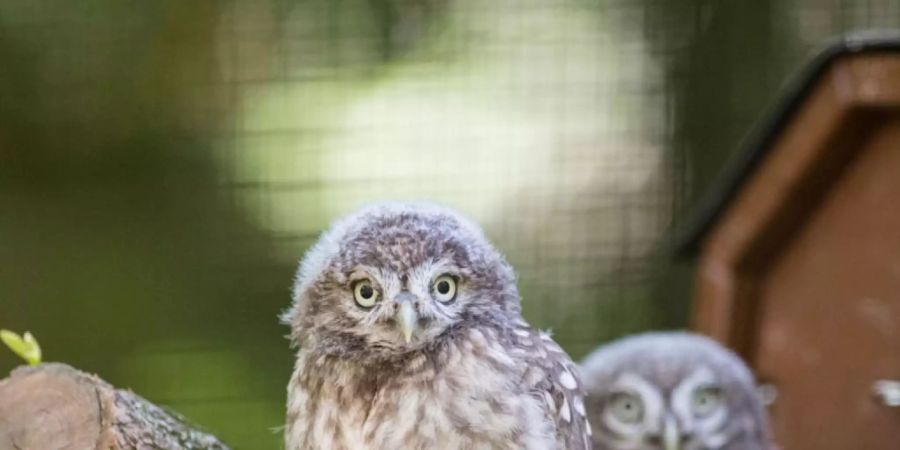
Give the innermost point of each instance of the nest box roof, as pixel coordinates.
(754, 149)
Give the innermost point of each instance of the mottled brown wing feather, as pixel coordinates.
(552, 376)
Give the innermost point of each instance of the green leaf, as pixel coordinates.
(25, 346)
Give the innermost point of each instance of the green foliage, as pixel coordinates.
(26, 346)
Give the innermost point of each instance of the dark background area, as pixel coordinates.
(164, 165)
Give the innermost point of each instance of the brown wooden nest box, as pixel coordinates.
(799, 252)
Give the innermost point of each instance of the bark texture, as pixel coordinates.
(53, 406)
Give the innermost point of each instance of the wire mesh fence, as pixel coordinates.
(507, 110)
(165, 165)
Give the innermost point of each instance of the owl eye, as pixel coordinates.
(364, 293)
(444, 288)
(627, 407)
(706, 400)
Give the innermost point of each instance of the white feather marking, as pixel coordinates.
(566, 379)
(578, 404)
(550, 403)
(533, 376)
(477, 338)
(564, 413)
(522, 333)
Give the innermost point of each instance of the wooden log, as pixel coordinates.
(53, 406)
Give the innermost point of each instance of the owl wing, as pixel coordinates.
(553, 377)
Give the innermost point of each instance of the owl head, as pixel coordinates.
(672, 391)
(394, 278)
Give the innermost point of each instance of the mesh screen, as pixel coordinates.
(164, 166)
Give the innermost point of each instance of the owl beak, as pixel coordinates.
(407, 318)
(671, 436)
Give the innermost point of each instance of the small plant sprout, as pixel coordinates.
(26, 346)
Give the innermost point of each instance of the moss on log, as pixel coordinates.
(53, 406)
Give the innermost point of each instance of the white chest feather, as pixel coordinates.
(471, 402)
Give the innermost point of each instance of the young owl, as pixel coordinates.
(668, 391)
(410, 336)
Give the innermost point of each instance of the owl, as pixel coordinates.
(672, 391)
(410, 336)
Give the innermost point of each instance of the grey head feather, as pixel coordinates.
(664, 361)
(398, 237)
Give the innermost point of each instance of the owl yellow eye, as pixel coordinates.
(444, 288)
(627, 407)
(364, 293)
(706, 400)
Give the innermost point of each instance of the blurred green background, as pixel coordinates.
(163, 165)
